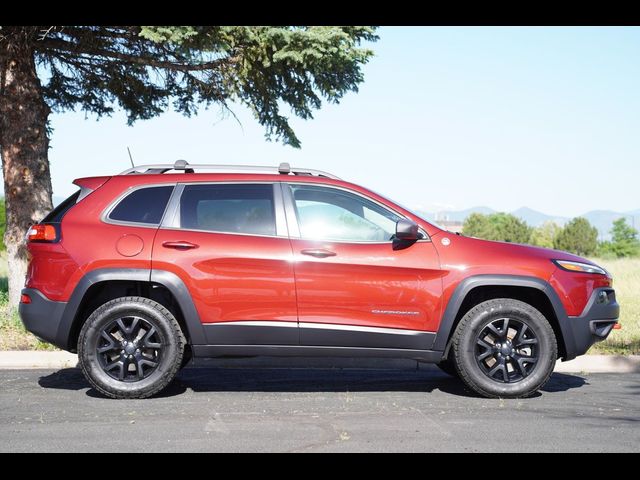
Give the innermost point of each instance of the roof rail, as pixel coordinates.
(183, 166)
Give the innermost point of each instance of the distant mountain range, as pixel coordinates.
(601, 219)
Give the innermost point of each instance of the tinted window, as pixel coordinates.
(55, 216)
(332, 214)
(231, 208)
(145, 205)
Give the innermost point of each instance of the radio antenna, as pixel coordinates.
(131, 158)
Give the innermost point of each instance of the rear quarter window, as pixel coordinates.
(55, 215)
(143, 205)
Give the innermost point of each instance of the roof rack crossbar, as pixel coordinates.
(182, 166)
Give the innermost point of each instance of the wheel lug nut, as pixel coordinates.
(121, 352)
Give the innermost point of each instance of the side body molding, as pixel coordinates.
(469, 283)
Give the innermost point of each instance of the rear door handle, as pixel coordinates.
(318, 252)
(180, 245)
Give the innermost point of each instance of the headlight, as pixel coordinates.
(579, 267)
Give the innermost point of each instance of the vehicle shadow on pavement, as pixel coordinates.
(303, 380)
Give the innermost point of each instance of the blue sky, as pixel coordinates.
(547, 118)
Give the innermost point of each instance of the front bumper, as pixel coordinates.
(594, 324)
(43, 318)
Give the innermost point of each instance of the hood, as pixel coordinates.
(474, 255)
(540, 252)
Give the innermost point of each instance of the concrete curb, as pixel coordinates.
(36, 359)
(601, 364)
(58, 360)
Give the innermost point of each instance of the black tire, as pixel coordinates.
(154, 346)
(448, 367)
(504, 360)
(187, 356)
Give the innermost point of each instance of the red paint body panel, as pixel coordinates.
(232, 277)
(92, 243)
(574, 289)
(465, 257)
(242, 277)
(51, 269)
(363, 283)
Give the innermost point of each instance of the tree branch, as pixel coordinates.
(63, 46)
(44, 33)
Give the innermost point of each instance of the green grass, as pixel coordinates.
(626, 280)
(13, 335)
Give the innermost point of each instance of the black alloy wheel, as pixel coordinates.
(130, 349)
(507, 350)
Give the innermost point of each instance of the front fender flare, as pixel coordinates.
(468, 284)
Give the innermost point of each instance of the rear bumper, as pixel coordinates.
(43, 317)
(594, 324)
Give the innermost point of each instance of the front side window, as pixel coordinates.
(144, 205)
(331, 214)
(228, 208)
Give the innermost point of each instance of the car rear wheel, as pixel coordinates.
(130, 347)
(504, 348)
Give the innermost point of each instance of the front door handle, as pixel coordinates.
(318, 252)
(180, 245)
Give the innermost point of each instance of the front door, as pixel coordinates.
(228, 243)
(356, 287)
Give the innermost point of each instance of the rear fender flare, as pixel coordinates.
(170, 280)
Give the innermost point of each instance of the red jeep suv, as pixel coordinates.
(141, 271)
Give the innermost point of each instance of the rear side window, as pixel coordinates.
(228, 208)
(144, 205)
(55, 216)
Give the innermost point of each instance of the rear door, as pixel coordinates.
(228, 243)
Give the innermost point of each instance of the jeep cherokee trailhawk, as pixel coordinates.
(139, 272)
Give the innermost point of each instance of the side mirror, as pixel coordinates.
(407, 230)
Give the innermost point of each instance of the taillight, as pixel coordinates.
(42, 233)
(24, 298)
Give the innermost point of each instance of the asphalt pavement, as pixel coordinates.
(317, 410)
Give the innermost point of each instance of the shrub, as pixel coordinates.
(578, 236)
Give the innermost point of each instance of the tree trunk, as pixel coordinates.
(23, 146)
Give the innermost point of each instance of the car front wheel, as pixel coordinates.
(504, 348)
